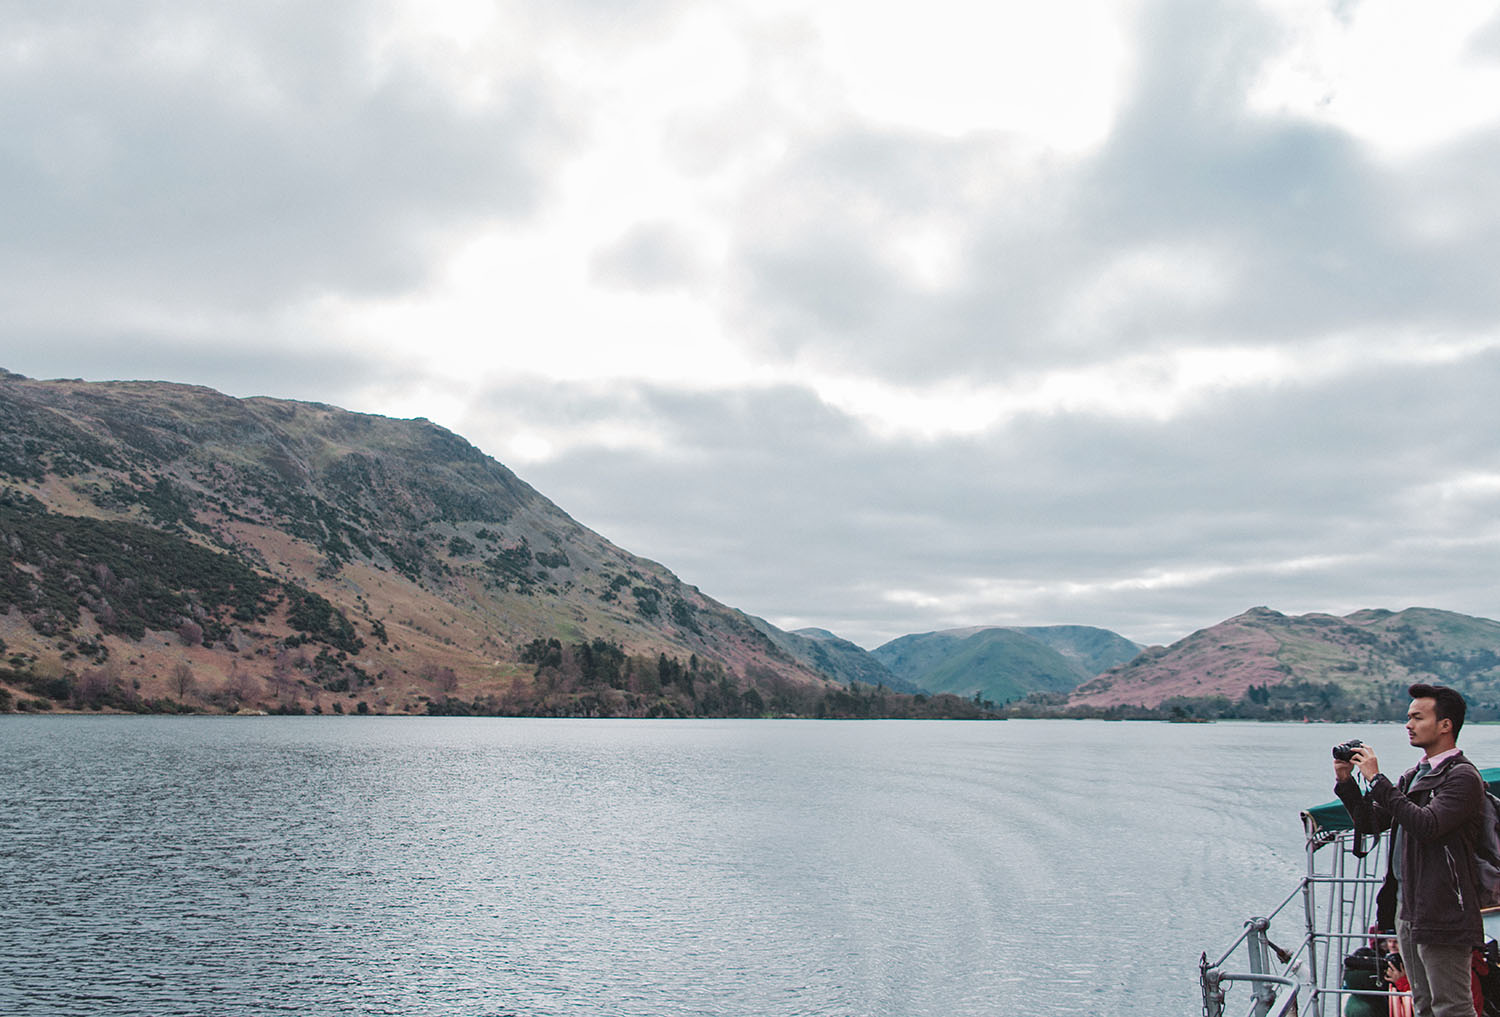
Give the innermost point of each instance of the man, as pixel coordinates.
(1434, 813)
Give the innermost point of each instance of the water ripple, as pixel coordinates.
(162, 866)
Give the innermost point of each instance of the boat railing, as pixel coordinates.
(1262, 977)
(1338, 894)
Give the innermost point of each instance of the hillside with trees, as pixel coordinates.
(1267, 665)
(168, 547)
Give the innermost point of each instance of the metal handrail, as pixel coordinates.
(1338, 904)
(1249, 926)
(1261, 974)
(1384, 993)
(1291, 983)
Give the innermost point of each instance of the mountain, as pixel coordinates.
(1002, 664)
(1092, 650)
(1272, 664)
(835, 657)
(168, 544)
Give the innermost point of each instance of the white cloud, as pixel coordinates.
(1400, 76)
(981, 597)
(1466, 487)
(1192, 277)
(1050, 73)
(523, 303)
(1152, 386)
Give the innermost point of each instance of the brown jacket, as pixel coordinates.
(1439, 819)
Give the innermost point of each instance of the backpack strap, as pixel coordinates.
(1485, 834)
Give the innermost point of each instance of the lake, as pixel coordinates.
(322, 865)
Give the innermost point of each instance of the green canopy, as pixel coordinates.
(1332, 817)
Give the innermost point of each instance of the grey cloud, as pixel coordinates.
(243, 154)
(1485, 45)
(1303, 224)
(1304, 212)
(810, 266)
(240, 369)
(649, 256)
(622, 21)
(775, 503)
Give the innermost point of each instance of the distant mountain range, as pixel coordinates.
(1002, 664)
(167, 547)
(836, 657)
(1267, 664)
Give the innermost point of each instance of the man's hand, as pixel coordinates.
(1365, 759)
(1342, 770)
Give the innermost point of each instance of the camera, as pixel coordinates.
(1365, 968)
(1345, 753)
(1366, 959)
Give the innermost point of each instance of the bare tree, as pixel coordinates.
(190, 632)
(91, 687)
(182, 680)
(282, 680)
(241, 687)
(445, 678)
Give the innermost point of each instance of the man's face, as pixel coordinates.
(1423, 729)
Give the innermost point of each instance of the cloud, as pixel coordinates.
(1198, 221)
(843, 337)
(649, 256)
(167, 154)
(241, 368)
(1363, 490)
(1398, 78)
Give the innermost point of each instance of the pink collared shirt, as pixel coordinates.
(1438, 760)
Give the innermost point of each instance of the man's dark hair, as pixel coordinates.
(1448, 704)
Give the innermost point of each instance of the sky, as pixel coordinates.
(878, 318)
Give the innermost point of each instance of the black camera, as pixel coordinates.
(1365, 969)
(1345, 753)
(1366, 959)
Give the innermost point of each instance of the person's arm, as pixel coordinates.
(1369, 818)
(1453, 803)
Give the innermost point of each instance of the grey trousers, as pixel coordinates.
(1439, 975)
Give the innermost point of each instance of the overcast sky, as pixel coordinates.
(882, 318)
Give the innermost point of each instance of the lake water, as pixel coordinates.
(155, 866)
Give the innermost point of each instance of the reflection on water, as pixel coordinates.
(153, 866)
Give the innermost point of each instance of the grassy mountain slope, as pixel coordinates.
(1092, 650)
(838, 658)
(294, 553)
(1281, 665)
(1001, 664)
